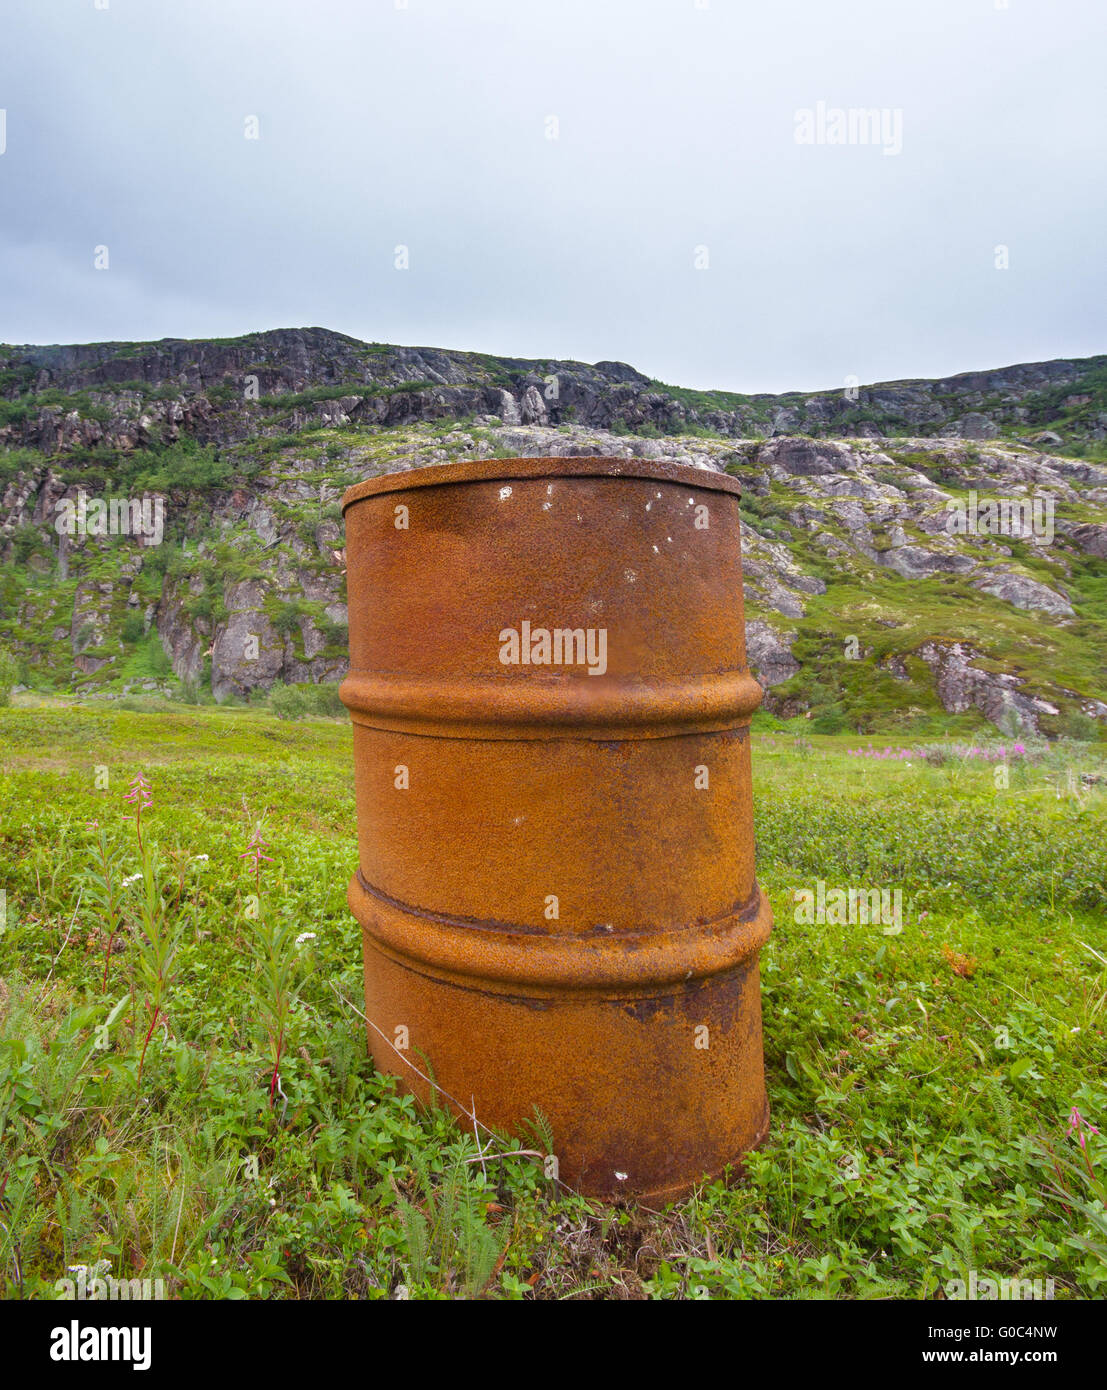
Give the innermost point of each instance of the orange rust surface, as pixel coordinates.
(556, 885)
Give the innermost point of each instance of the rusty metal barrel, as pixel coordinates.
(551, 704)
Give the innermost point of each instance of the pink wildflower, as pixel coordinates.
(1079, 1126)
(254, 851)
(139, 796)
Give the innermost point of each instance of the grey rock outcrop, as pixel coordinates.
(962, 686)
(769, 654)
(1024, 593)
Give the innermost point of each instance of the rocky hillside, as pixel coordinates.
(142, 395)
(870, 605)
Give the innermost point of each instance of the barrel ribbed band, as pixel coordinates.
(500, 955)
(540, 706)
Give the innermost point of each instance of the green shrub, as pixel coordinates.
(830, 721)
(9, 675)
(183, 465)
(1077, 725)
(287, 702)
(27, 540)
(299, 701)
(15, 412)
(133, 627)
(326, 701)
(286, 619)
(148, 660)
(15, 461)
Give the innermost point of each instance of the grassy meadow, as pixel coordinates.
(185, 1092)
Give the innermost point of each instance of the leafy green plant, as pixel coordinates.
(450, 1248)
(156, 939)
(1079, 1186)
(103, 890)
(278, 976)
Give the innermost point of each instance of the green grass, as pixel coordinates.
(921, 1082)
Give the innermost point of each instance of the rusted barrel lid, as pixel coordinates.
(421, 655)
(495, 470)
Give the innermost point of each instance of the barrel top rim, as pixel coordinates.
(506, 470)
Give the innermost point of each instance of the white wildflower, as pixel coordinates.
(134, 878)
(305, 936)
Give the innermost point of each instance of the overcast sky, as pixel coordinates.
(676, 221)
